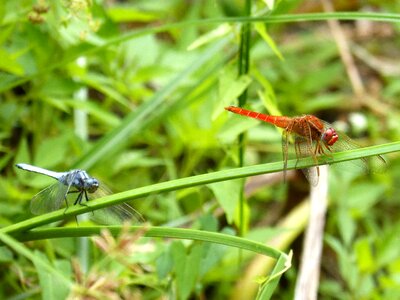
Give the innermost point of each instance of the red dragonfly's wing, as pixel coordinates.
(344, 143)
(304, 145)
(305, 148)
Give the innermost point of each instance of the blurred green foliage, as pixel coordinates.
(153, 97)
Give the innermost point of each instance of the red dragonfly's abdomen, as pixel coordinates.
(278, 121)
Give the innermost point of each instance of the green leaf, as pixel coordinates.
(186, 267)
(52, 151)
(230, 86)
(345, 261)
(165, 263)
(282, 265)
(5, 255)
(130, 14)
(9, 63)
(365, 258)
(52, 287)
(227, 194)
(346, 225)
(262, 31)
(23, 152)
(207, 38)
(362, 197)
(187, 276)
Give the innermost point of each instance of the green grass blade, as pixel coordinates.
(160, 232)
(268, 287)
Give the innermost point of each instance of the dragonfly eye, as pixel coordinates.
(330, 136)
(92, 185)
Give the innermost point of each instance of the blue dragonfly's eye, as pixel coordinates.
(92, 184)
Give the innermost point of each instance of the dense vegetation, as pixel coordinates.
(134, 92)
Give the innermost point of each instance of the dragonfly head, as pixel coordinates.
(330, 136)
(92, 185)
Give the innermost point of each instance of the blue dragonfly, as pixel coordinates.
(87, 187)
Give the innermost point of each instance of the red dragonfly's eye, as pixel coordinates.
(330, 136)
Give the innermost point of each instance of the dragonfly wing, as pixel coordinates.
(116, 214)
(305, 149)
(285, 149)
(49, 199)
(312, 175)
(369, 164)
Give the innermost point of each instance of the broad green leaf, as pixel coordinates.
(346, 225)
(192, 267)
(362, 197)
(165, 263)
(51, 286)
(9, 63)
(51, 151)
(364, 256)
(345, 261)
(186, 267)
(230, 86)
(227, 194)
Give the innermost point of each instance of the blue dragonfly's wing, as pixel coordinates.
(116, 214)
(49, 199)
(113, 215)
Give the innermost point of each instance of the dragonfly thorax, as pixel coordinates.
(329, 137)
(80, 180)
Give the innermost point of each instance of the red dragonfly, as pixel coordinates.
(312, 137)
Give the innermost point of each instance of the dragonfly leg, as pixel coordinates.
(84, 192)
(79, 198)
(327, 153)
(285, 145)
(66, 200)
(298, 152)
(87, 199)
(323, 151)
